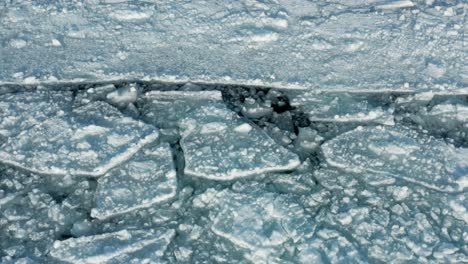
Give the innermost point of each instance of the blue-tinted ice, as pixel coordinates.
(251, 131)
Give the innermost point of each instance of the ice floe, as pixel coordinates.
(113, 247)
(89, 141)
(401, 153)
(165, 108)
(147, 178)
(342, 107)
(23, 110)
(219, 145)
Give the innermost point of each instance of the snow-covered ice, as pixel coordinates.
(254, 220)
(342, 107)
(21, 111)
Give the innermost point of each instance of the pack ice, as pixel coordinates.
(401, 153)
(250, 131)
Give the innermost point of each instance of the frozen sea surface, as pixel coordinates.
(286, 131)
(352, 44)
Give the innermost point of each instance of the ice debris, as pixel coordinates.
(373, 218)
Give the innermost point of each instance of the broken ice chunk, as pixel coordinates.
(165, 108)
(107, 248)
(448, 119)
(218, 145)
(123, 96)
(329, 246)
(258, 219)
(396, 4)
(20, 111)
(400, 153)
(146, 179)
(300, 181)
(94, 94)
(341, 107)
(89, 141)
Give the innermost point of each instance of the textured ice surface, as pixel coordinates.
(165, 108)
(256, 221)
(359, 193)
(355, 44)
(147, 178)
(219, 145)
(367, 163)
(374, 217)
(447, 118)
(21, 111)
(342, 107)
(115, 247)
(401, 153)
(89, 140)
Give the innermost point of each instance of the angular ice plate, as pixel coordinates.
(88, 141)
(147, 178)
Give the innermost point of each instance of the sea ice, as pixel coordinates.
(219, 145)
(165, 108)
(449, 119)
(111, 247)
(89, 141)
(23, 110)
(147, 178)
(392, 220)
(364, 44)
(401, 153)
(254, 219)
(341, 107)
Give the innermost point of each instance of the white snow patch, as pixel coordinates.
(56, 43)
(396, 5)
(18, 43)
(128, 15)
(243, 129)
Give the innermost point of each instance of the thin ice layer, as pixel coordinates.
(21, 111)
(400, 153)
(219, 145)
(89, 141)
(342, 107)
(146, 179)
(110, 247)
(165, 108)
